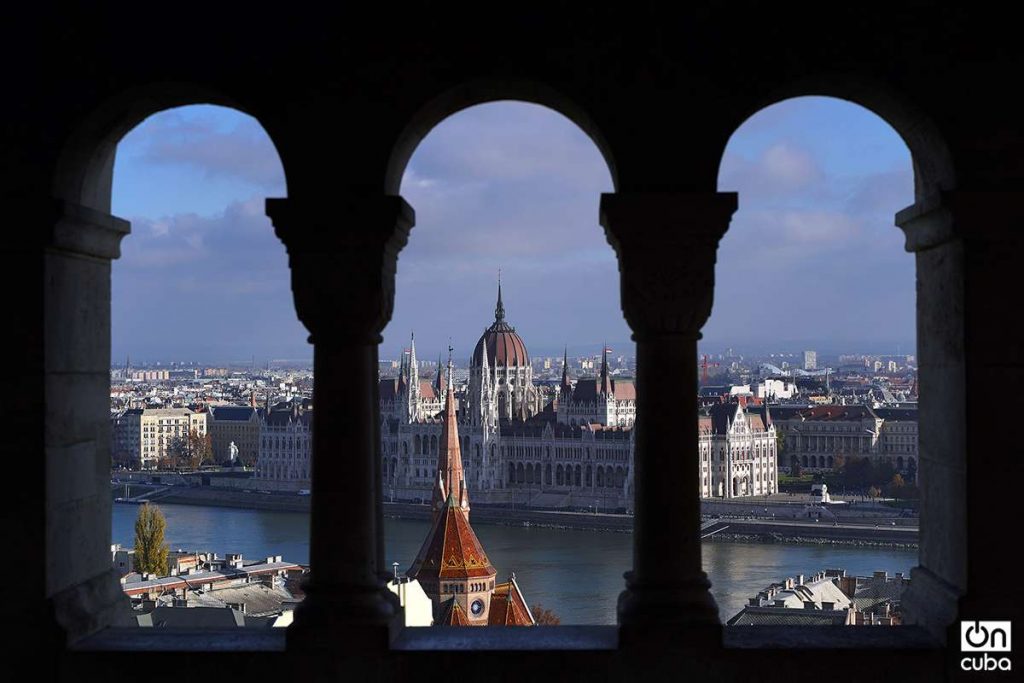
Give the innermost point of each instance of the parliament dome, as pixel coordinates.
(504, 347)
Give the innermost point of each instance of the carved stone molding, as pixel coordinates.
(977, 217)
(666, 244)
(343, 255)
(82, 231)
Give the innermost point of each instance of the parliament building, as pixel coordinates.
(571, 449)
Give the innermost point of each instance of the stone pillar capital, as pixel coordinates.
(975, 216)
(343, 254)
(666, 244)
(81, 231)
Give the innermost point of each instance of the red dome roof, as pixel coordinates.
(504, 346)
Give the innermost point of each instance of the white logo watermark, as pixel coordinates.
(984, 637)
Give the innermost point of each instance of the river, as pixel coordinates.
(576, 574)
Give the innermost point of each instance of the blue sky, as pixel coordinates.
(812, 258)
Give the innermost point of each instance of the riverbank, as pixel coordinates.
(858, 531)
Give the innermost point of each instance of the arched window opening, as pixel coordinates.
(819, 181)
(506, 186)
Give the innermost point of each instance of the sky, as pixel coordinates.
(811, 259)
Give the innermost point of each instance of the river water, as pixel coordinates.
(576, 574)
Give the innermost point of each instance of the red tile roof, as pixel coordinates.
(508, 607)
(452, 614)
(451, 550)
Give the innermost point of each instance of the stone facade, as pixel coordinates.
(816, 436)
(240, 425)
(285, 445)
(151, 434)
(738, 452)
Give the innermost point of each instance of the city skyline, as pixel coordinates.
(813, 237)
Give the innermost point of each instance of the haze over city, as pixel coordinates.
(811, 259)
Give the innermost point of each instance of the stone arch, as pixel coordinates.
(588, 476)
(433, 445)
(547, 474)
(417, 447)
(511, 473)
(578, 480)
(933, 163)
(85, 167)
(520, 474)
(485, 91)
(600, 476)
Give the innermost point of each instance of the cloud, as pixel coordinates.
(883, 193)
(216, 145)
(817, 227)
(507, 142)
(212, 287)
(811, 251)
(781, 169)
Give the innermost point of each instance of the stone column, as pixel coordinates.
(82, 588)
(342, 256)
(666, 245)
(967, 246)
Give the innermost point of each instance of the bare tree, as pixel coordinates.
(544, 617)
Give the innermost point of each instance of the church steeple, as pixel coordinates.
(451, 480)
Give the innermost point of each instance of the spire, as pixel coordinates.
(439, 378)
(401, 373)
(606, 386)
(414, 374)
(499, 310)
(451, 480)
(566, 386)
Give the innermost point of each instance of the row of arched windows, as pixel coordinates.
(567, 475)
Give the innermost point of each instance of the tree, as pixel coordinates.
(794, 467)
(912, 471)
(150, 549)
(873, 492)
(896, 485)
(191, 451)
(544, 617)
(199, 448)
(125, 458)
(838, 462)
